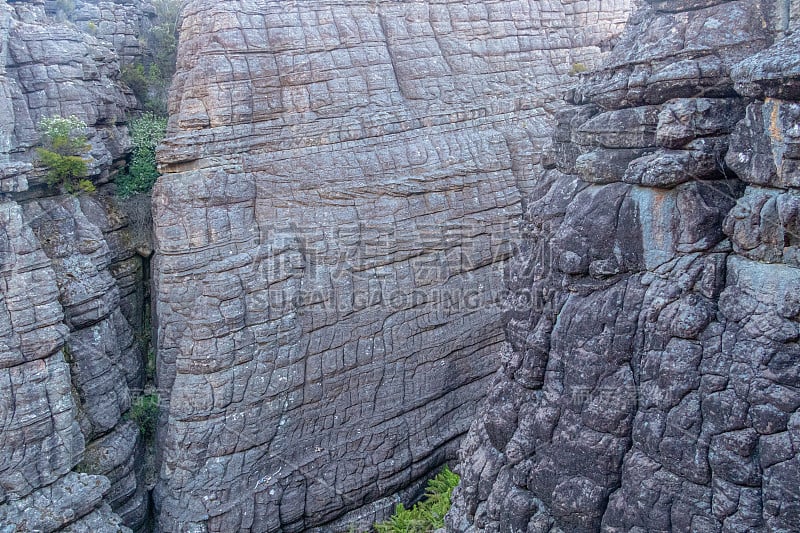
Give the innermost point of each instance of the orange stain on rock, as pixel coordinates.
(774, 120)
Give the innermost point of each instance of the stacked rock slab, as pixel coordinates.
(71, 293)
(651, 382)
(341, 184)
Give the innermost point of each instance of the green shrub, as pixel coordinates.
(144, 411)
(427, 515)
(163, 35)
(134, 77)
(61, 168)
(86, 186)
(146, 132)
(63, 146)
(150, 81)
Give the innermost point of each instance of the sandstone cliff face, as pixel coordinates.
(72, 293)
(651, 382)
(342, 184)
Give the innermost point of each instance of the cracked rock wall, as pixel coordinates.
(342, 184)
(120, 23)
(72, 294)
(651, 378)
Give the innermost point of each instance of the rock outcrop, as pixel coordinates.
(651, 380)
(49, 70)
(341, 190)
(72, 292)
(120, 23)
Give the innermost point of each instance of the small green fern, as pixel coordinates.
(427, 515)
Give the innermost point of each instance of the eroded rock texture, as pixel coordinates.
(341, 189)
(71, 293)
(651, 382)
(54, 70)
(120, 23)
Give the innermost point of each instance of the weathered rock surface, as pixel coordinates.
(342, 180)
(53, 70)
(106, 363)
(651, 378)
(70, 301)
(73, 503)
(120, 23)
(41, 436)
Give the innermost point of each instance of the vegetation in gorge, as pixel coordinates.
(150, 80)
(146, 132)
(162, 38)
(427, 515)
(150, 84)
(144, 411)
(137, 78)
(62, 151)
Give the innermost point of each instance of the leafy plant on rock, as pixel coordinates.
(427, 515)
(163, 35)
(150, 80)
(146, 133)
(63, 146)
(144, 411)
(578, 68)
(135, 77)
